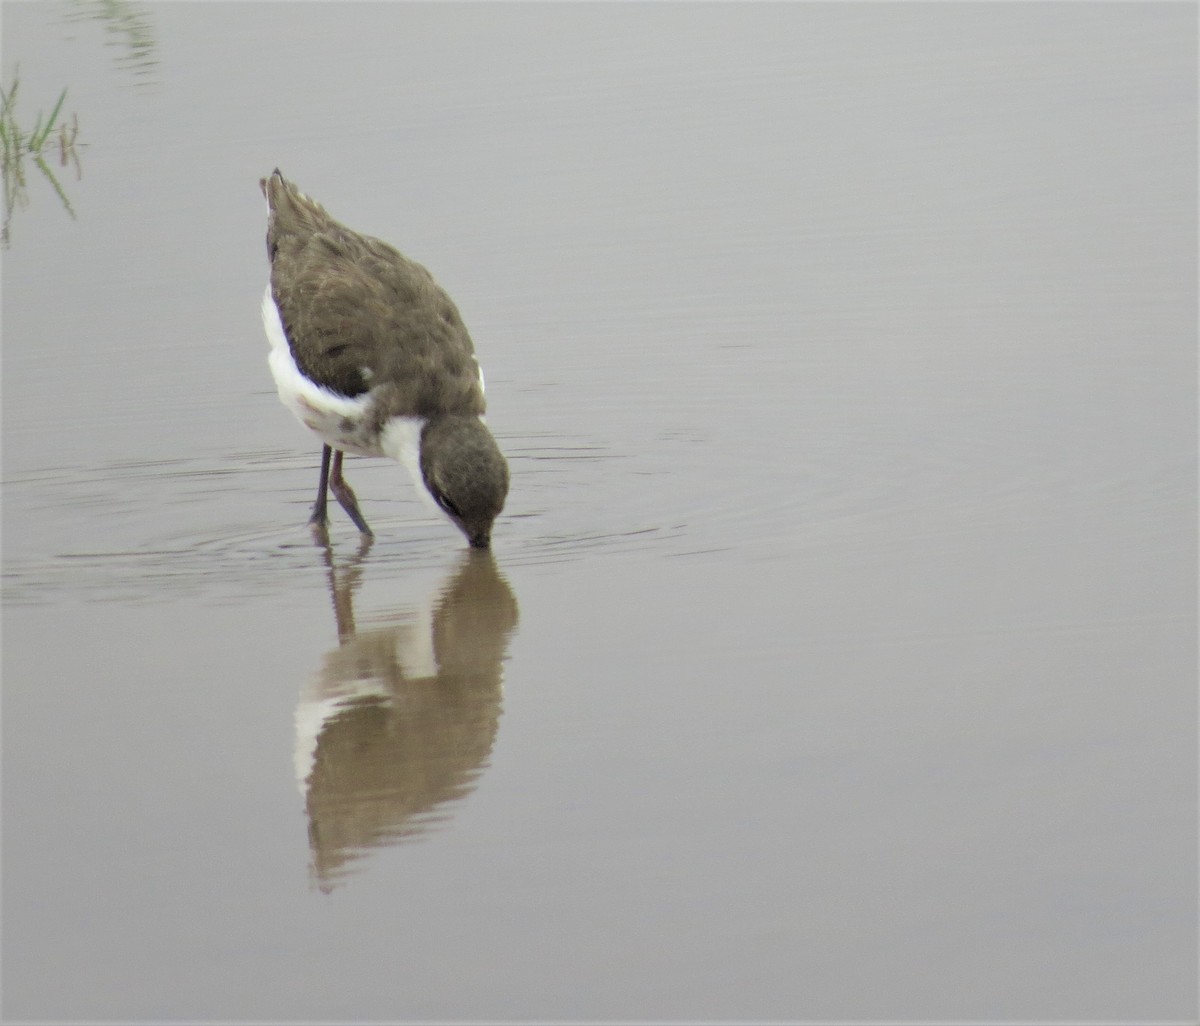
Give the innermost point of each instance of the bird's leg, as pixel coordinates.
(345, 495)
(319, 517)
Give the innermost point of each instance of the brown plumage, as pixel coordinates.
(340, 293)
(363, 321)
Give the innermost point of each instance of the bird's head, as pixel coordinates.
(465, 473)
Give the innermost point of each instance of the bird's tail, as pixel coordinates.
(288, 203)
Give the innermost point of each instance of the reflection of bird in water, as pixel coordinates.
(401, 719)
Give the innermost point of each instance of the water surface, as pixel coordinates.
(836, 659)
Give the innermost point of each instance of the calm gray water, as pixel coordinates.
(837, 656)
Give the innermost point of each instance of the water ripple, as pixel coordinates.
(235, 525)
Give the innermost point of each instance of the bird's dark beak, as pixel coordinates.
(482, 540)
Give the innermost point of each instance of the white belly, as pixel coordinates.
(337, 420)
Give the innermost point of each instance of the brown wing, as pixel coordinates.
(360, 317)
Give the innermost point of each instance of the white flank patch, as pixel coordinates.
(401, 440)
(336, 419)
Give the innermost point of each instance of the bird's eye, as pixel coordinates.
(447, 505)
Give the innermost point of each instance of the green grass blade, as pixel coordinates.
(54, 182)
(37, 139)
(11, 96)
